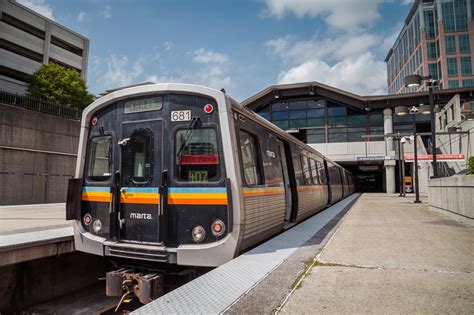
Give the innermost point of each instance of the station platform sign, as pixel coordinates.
(439, 157)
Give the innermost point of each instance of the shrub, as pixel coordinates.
(470, 167)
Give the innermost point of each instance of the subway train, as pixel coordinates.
(185, 175)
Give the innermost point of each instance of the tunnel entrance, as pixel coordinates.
(368, 176)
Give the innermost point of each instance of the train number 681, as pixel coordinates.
(181, 115)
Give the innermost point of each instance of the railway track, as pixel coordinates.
(93, 299)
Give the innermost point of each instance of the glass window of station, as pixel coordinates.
(322, 121)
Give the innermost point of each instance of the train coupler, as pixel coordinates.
(126, 283)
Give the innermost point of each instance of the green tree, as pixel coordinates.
(58, 84)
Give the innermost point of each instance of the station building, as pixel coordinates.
(351, 129)
(29, 39)
(437, 40)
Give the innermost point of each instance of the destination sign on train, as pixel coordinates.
(200, 159)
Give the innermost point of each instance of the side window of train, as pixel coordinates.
(99, 164)
(314, 171)
(297, 167)
(306, 170)
(197, 156)
(250, 158)
(322, 172)
(272, 165)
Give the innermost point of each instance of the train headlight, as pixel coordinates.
(198, 233)
(97, 226)
(217, 228)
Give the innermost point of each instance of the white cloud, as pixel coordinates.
(362, 75)
(213, 69)
(81, 16)
(408, 1)
(119, 72)
(207, 68)
(348, 15)
(208, 56)
(390, 39)
(107, 12)
(330, 48)
(39, 6)
(168, 45)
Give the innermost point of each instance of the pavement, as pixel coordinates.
(389, 255)
(29, 218)
(384, 255)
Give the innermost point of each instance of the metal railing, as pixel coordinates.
(39, 105)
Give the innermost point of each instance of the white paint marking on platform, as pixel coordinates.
(215, 291)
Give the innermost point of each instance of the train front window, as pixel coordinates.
(142, 149)
(100, 161)
(197, 157)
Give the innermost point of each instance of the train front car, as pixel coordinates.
(151, 180)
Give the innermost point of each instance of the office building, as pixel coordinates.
(437, 40)
(29, 39)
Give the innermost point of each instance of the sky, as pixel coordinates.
(243, 46)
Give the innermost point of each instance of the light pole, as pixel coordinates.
(400, 178)
(414, 110)
(415, 81)
(401, 168)
(402, 164)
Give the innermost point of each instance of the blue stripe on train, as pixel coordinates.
(96, 189)
(141, 189)
(155, 190)
(197, 189)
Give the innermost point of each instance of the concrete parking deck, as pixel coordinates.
(390, 255)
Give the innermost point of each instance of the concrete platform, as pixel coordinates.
(27, 218)
(29, 232)
(390, 256)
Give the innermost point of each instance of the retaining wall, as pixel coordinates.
(453, 196)
(37, 156)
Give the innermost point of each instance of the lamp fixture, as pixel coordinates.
(311, 90)
(413, 80)
(414, 110)
(401, 110)
(276, 94)
(425, 109)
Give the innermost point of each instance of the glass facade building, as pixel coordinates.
(320, 120)
(435, 40)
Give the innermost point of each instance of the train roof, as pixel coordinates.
(151, 88)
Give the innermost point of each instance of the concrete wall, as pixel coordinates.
(37, 156)
(451, 116)
(453, 196)
(349, 151)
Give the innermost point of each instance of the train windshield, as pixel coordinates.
(99, 163)
(197, 158)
